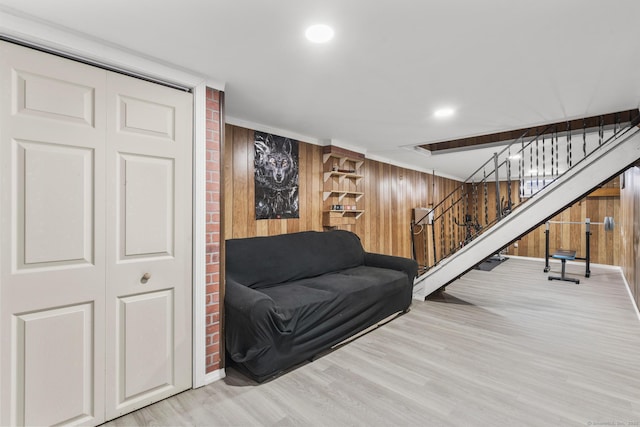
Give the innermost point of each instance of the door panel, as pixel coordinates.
(59, 178)
(145, 340)
(146, 117)
(65, 335)
(147, 223)
(148, 243)
(52, 268)
(40, 95)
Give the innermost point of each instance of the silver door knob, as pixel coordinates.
(145, 277)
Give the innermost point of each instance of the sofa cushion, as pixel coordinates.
(313, 307)
(260, 262)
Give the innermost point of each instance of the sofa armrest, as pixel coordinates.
(244, 300)
(251, 318)
(409, 266)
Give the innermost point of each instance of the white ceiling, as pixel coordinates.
(502, 64)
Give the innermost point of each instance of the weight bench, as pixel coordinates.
(564, 255)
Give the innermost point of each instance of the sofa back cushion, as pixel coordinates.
(263, 261)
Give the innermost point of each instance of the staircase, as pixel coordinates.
(607, 160)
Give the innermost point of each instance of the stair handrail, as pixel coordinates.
(547, 130)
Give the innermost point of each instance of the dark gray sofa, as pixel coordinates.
(291, 296)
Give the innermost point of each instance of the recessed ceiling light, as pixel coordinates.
(443, 113)
(319, 33)
(515, 157)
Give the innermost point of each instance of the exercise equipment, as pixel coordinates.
(609, 225)
(472, 228)
(421, 217)
(564, 255)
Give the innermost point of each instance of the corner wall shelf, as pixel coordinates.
(341, 176)
(343, 213)
(342, 194)
(342, 173)
(341, 159)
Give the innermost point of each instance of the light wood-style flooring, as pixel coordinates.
(500, 348)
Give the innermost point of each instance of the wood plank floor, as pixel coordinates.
(501, 348)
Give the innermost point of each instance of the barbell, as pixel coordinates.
(608, 223)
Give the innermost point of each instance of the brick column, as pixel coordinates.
(212, 321)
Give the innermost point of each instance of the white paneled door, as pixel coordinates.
(148, 243)
(95, 255)
(52, 251)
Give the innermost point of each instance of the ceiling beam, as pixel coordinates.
(588, 122)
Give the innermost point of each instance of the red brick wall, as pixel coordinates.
(213, 357)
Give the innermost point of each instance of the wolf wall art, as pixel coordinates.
(276, 176)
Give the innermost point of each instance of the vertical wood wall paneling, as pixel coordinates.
(240, 220)
(606, 246)
(630, 230)
(391, 193)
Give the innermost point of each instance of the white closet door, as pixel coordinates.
(95, 254)
(52, 222)
(148, 243)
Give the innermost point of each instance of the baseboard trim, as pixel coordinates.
(578, 262)
(214, 376)
(633, 301)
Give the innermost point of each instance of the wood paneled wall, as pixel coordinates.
(486, 213)
(630, 230)
(391, 193)
(606, 246)
(240, 217)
